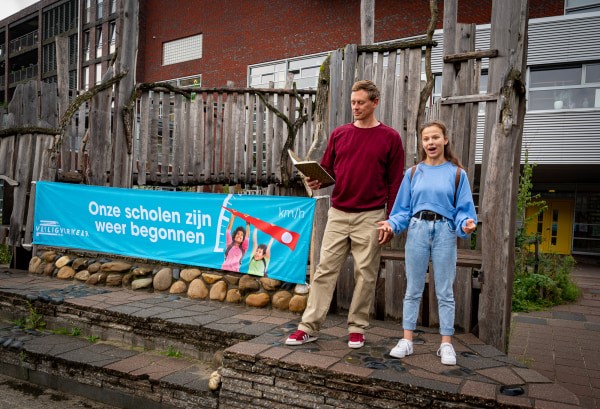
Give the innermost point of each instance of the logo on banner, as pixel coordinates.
(53, 228)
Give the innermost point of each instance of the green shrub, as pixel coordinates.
(549, 284)
(541, 280)
(4, 254)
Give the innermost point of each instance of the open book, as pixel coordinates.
(312, 169)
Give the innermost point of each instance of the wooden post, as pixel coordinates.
(121, 171)
(367, 21)
(502, 150)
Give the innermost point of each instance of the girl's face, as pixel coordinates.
(433, 141)
(259, 254)
(239, 237)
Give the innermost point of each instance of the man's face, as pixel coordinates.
(362, 107)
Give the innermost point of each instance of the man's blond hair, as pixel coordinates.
(368, 86)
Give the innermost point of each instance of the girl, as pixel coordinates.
(237, 244)
(436, 205)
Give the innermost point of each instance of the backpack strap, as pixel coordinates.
(456, 184)
(412, 171)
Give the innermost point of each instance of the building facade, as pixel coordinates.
(255, 43)
(28, 42)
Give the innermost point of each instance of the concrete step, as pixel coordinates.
(106, 372)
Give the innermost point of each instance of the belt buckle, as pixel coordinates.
(429, 215)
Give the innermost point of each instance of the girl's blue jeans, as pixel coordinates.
(425, 240)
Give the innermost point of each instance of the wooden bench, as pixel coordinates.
(466, 294)
(464, 257)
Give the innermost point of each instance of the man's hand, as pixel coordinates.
(385, 232)
(314, 184)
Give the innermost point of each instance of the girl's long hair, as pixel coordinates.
(448, 153)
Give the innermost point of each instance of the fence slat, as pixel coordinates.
(259, 138)
(399, 103)
(177, 139)
(335, 89)
(82, 134)
(199, 138)
(209, 139)
(23, 171)
(142, 144)
(278, 140)
(228, 144)
(218, 149)
(153, 138)
(240, 120)
(166, 137)
(185, 135)
(269, 142)
(249, 137)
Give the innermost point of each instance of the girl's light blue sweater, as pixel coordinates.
(432, 188)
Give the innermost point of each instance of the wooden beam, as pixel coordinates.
(397, 45)
(470, 55)
(11, 182)
(463, 99)
(465, 257)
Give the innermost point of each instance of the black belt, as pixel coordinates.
(428, 215)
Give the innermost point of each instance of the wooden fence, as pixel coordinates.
(228, 136)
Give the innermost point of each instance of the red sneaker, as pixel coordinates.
(356, 340)
(299, 337)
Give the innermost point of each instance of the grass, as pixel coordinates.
(33, 321)
(172, 352)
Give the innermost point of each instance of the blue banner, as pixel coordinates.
(260, 235)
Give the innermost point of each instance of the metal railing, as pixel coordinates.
(23, 74)
(21, 43)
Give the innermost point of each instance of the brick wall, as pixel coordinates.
(238, 33)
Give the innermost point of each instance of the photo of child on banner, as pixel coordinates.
(261, 253)
(261, 256)
(237, 245)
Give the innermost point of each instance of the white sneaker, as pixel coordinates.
(446, 352)
(402, 349)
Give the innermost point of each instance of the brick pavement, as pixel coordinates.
(562, 343)
(258, 367)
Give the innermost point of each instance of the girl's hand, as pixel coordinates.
(469, 226)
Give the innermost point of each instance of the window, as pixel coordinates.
(586, 228)
(112, 4)
(99, 10)
(581, 6)
(87, 13)
(185, 49)
(73, 49)
(194, 81)
(305, 70)
(98, 73)
(85, 79)
(572, 87)
(86, 45)
(98, 42)
(112, 37)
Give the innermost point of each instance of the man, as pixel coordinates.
(366, 158)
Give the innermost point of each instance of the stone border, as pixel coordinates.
(192, 282)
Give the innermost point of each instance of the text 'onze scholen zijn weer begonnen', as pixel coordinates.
(153, 233)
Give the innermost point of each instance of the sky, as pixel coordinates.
(10, 7)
